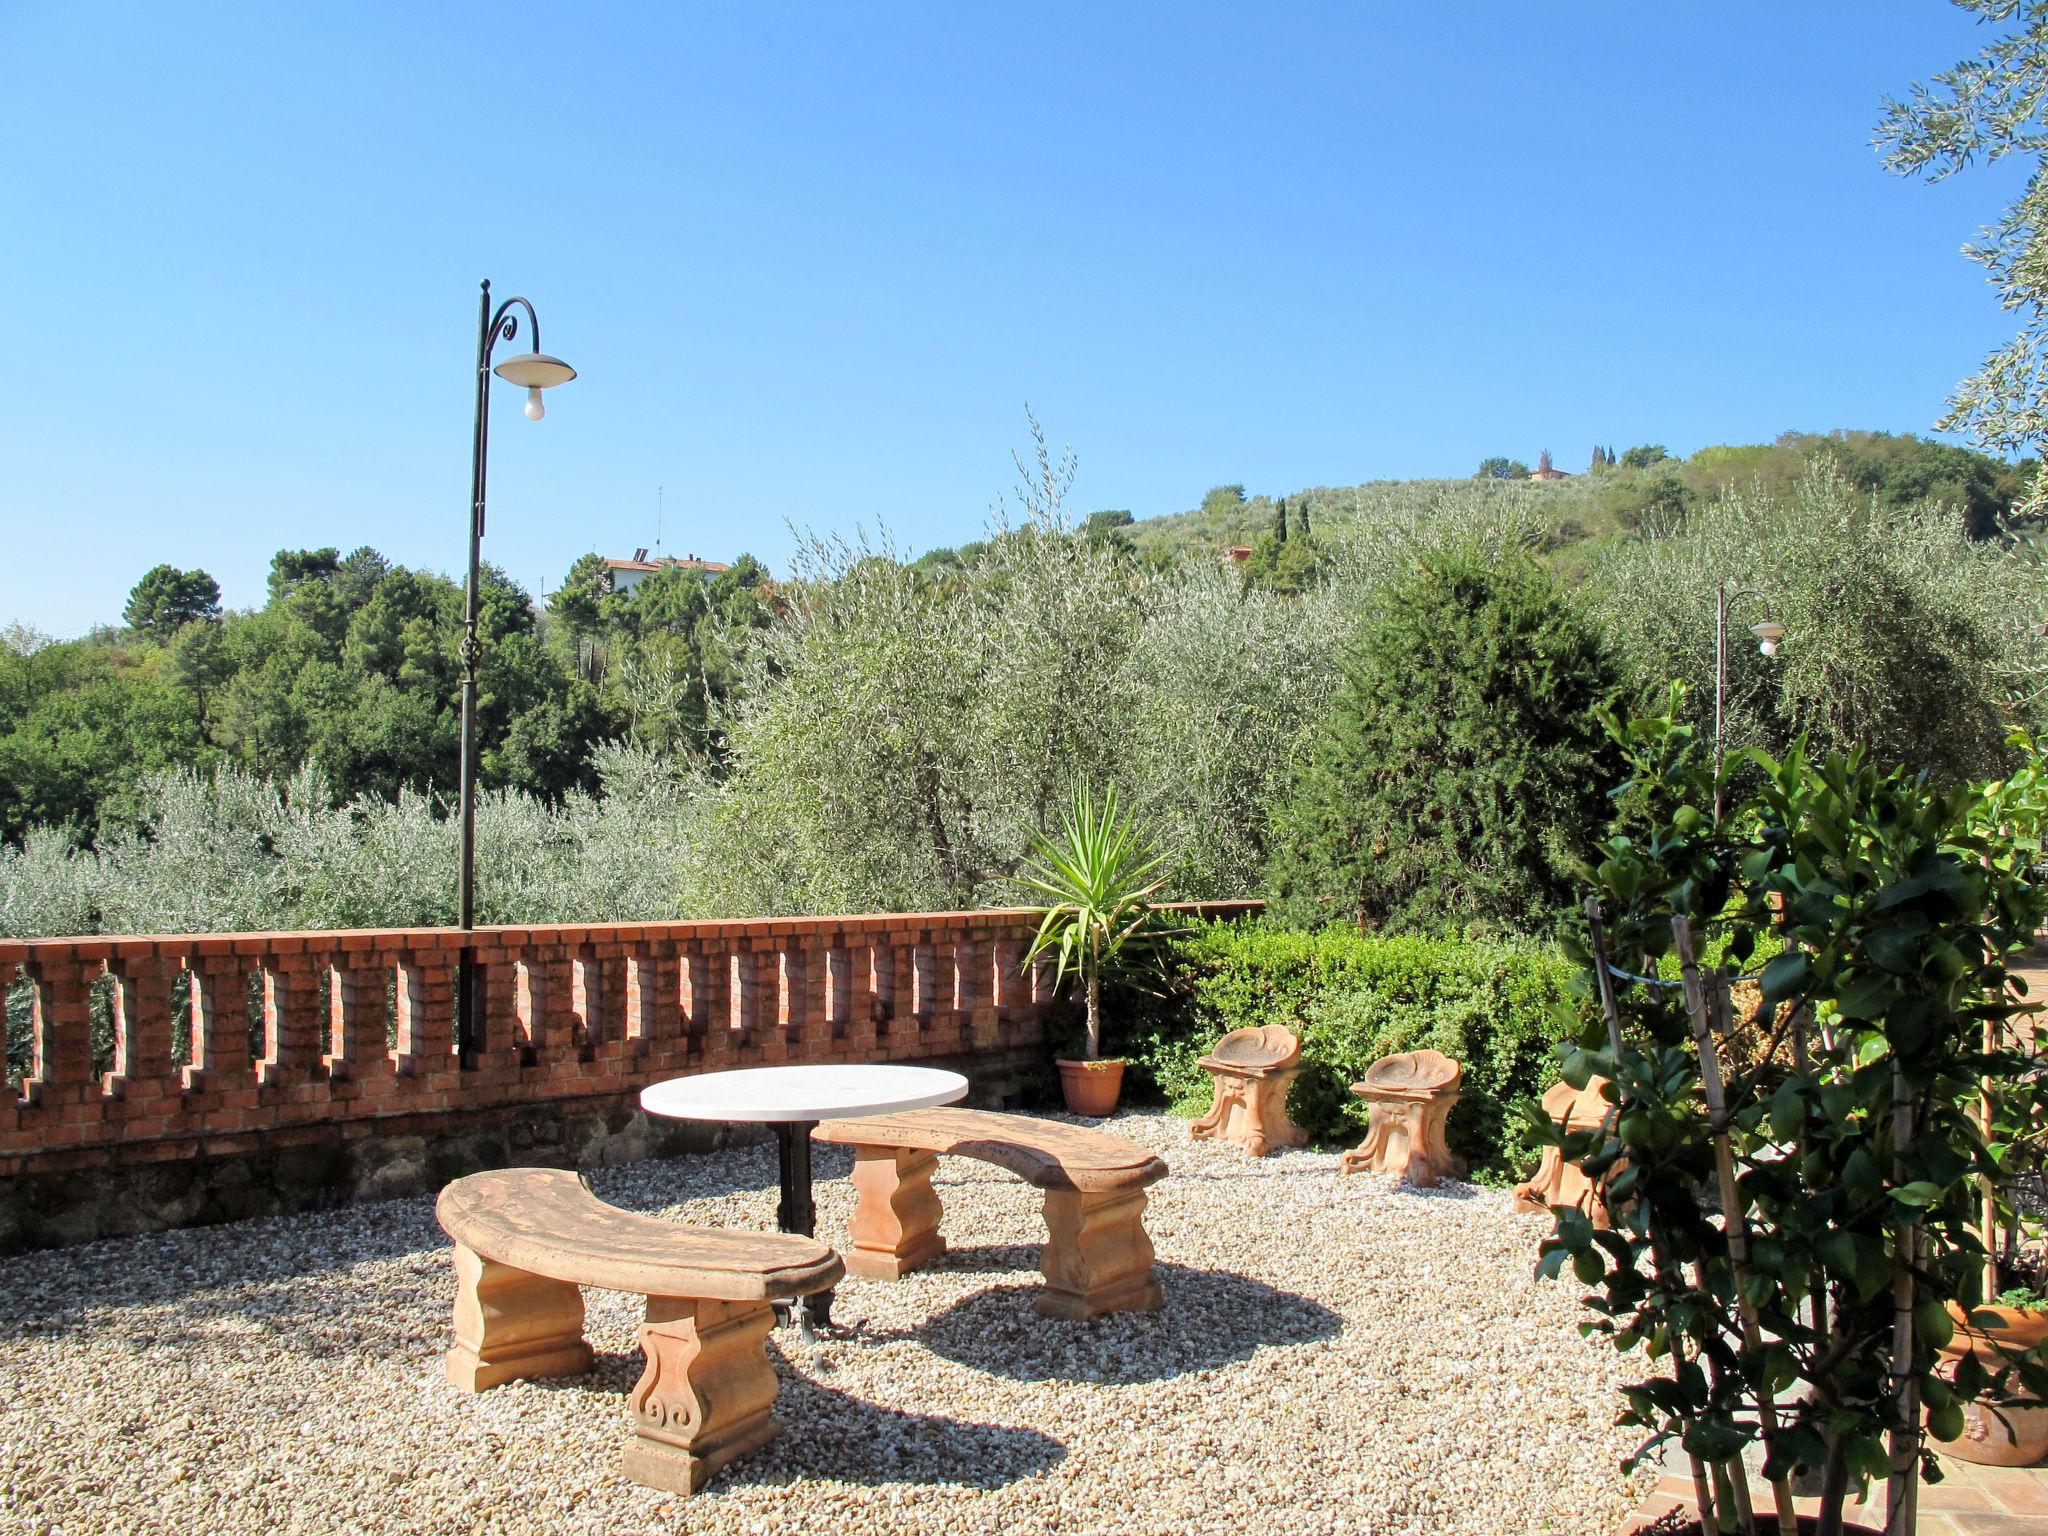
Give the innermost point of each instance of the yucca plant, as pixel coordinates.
(1100, 873)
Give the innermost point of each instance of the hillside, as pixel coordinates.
(1645, 484)
(350, 668)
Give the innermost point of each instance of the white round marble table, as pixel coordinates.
(794, 1100)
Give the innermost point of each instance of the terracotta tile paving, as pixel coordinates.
(1969, 1501)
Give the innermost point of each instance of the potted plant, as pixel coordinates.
(2012, 1325)
(2007, 1319)
(1792, 1224)
(1100, 875)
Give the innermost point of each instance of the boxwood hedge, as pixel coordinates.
(1495, 1005)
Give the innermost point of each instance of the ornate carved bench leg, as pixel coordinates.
(1281, 1131)
(1097, 1256)
(1228, 1091)
(1369, 1152)
(510, 1324)
(895, 1225)
(705, 1396)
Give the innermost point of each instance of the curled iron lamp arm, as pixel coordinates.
(499, 325)
(505, 325)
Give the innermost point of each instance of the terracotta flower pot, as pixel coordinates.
(1091, 1087)
(2017, 1328)
(2015, 1436)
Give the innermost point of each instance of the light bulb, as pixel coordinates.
(1769, 647)
(534, 409)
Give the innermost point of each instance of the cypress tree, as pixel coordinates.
(1301, 517)
(1280, 520)
(1462, 767)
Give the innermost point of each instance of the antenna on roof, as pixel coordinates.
(657, 517)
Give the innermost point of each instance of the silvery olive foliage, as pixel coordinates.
(1223, 686)
(1903, 636)
(234, 851)
(897, 734)
(901, 735)
(903, 730)
(910, 731)
(1984, 109)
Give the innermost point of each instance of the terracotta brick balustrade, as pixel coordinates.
(227, 1044)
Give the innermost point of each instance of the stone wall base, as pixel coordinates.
(386, 1160)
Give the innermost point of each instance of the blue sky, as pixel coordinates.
(813, 261)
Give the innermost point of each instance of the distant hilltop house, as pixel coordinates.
(1545, 470)
(1237, 554)
(628, 574)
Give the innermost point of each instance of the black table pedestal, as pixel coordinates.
(797, 1212)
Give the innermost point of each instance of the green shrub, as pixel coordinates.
(1462, 765)
(1353, 998)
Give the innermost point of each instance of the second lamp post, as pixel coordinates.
(532, 371)
(1769, 635)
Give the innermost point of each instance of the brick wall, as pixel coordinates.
(300, 1059)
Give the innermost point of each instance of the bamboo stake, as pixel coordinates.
(1802, 1063)
(1986, 1190)
(1902, 1488)
(1610, 1008)
(1733, 1221)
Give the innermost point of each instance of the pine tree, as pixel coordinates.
(1462, 768)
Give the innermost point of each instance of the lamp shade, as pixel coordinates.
(534, 370)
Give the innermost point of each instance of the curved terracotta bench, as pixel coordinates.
(526, 1238)
(1097, 1257)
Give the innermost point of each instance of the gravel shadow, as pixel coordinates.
(653, 1184)
(827, 1433)
(832, 1434)
(263, 1266)
(1211, 1318)
(270, 1267)
(987, 1259)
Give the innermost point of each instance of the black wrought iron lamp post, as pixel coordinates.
(532, 371)
(1769, 634)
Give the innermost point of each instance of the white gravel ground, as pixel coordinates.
(1335, 1357)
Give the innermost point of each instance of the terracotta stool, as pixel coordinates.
(1411, 1097)
(1253, 1069)
(1557, 1182)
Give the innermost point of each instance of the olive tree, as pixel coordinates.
(904, 731)
(1987, 108)
(1903, 634)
